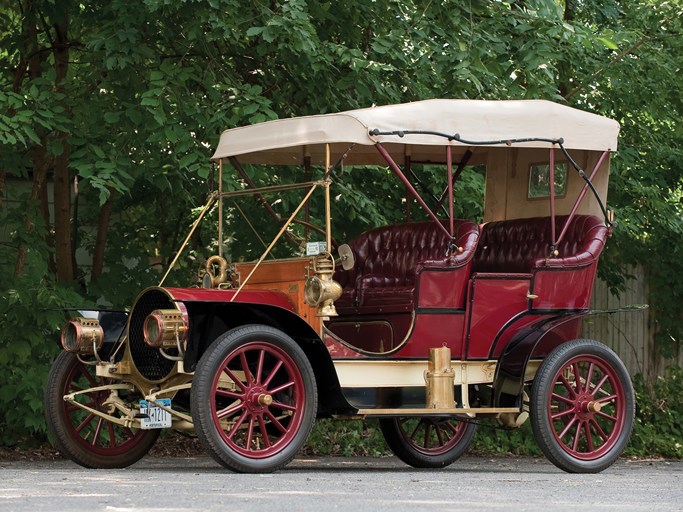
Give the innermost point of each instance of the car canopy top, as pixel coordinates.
(289, 141)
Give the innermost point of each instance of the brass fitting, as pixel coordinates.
(320, 289)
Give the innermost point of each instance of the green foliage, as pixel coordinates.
(658, 429)
(491, 439)
(148, 91)
(346, 438)
(30, 317)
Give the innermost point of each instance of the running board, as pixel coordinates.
(437, 412)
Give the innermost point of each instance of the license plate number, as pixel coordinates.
(153, 416)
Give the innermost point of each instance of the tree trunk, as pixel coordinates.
(100, 242)
(564, 68)
(62, 192)
(31, 60)
(40, 166)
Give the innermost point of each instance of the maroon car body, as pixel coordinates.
(427, 325)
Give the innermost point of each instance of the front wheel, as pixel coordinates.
(86, 438)
(582, 407)
(254, 399)
(427, 442)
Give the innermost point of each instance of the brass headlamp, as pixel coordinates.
(320, 289)
(82, 336)
(165, 328)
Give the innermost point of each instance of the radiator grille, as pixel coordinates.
(149, 362)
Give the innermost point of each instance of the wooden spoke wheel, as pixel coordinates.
(254, 399)
(84, 437)
(582, 406)
(427, 442)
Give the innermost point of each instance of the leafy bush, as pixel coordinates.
(346, 438)
(658, 429)
(30, 317)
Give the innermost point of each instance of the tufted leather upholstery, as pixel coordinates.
(389, 258)
(521, 245)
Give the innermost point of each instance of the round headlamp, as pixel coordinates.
(164, 328)
(82, 336)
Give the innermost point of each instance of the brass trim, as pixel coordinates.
(398, 347)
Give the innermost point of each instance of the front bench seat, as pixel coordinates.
(389, 259)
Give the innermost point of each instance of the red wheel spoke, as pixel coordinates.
(264, 432)
(229, 410)
(237, 424)
(577, 437)
(589, 376)
(275, 422)
(281, 387)
(230, 394)
(413, 435)
(274, 371)
(606, 399)
(245, 367)
(85, 422)
(453, 428)
(607, 416)
(561, 414)
(259, 366)
(250, 432)
(87, 375)
(577, 377)
(112, 434)
(599, 384)
(589, 436)
(568, 427)
(234, 378)
(562, 399)
(439, 435)
(98, 431)
(428, 428)
(599, 430)
(285, 407)
(567, 385)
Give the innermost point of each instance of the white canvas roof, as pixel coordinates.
(287, 141)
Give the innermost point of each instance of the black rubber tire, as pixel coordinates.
(439, 452)
(128, 446)
(600, 436)
(226, 442)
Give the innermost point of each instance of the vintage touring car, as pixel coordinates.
(427, 325)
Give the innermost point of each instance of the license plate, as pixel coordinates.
(153, 416)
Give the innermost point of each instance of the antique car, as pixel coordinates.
(428, 325)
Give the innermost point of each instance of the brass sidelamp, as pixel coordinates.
(320, 289)
(82, 336)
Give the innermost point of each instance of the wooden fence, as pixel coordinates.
(630, 334)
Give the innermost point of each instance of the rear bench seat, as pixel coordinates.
(389, 259)
(523, 245)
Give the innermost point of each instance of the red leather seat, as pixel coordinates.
(388, 259)
(522, 245)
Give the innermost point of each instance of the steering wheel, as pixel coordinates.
(213, 278)
(318, 230)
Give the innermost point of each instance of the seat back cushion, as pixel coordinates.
(520, 245)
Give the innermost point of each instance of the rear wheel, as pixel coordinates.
(84, 437)
(254, 399)
(582, 406)
(427, 442)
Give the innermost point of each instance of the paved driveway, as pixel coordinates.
(353, 484)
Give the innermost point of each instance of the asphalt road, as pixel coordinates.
(354, 484)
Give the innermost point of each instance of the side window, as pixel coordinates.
(539, 180)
